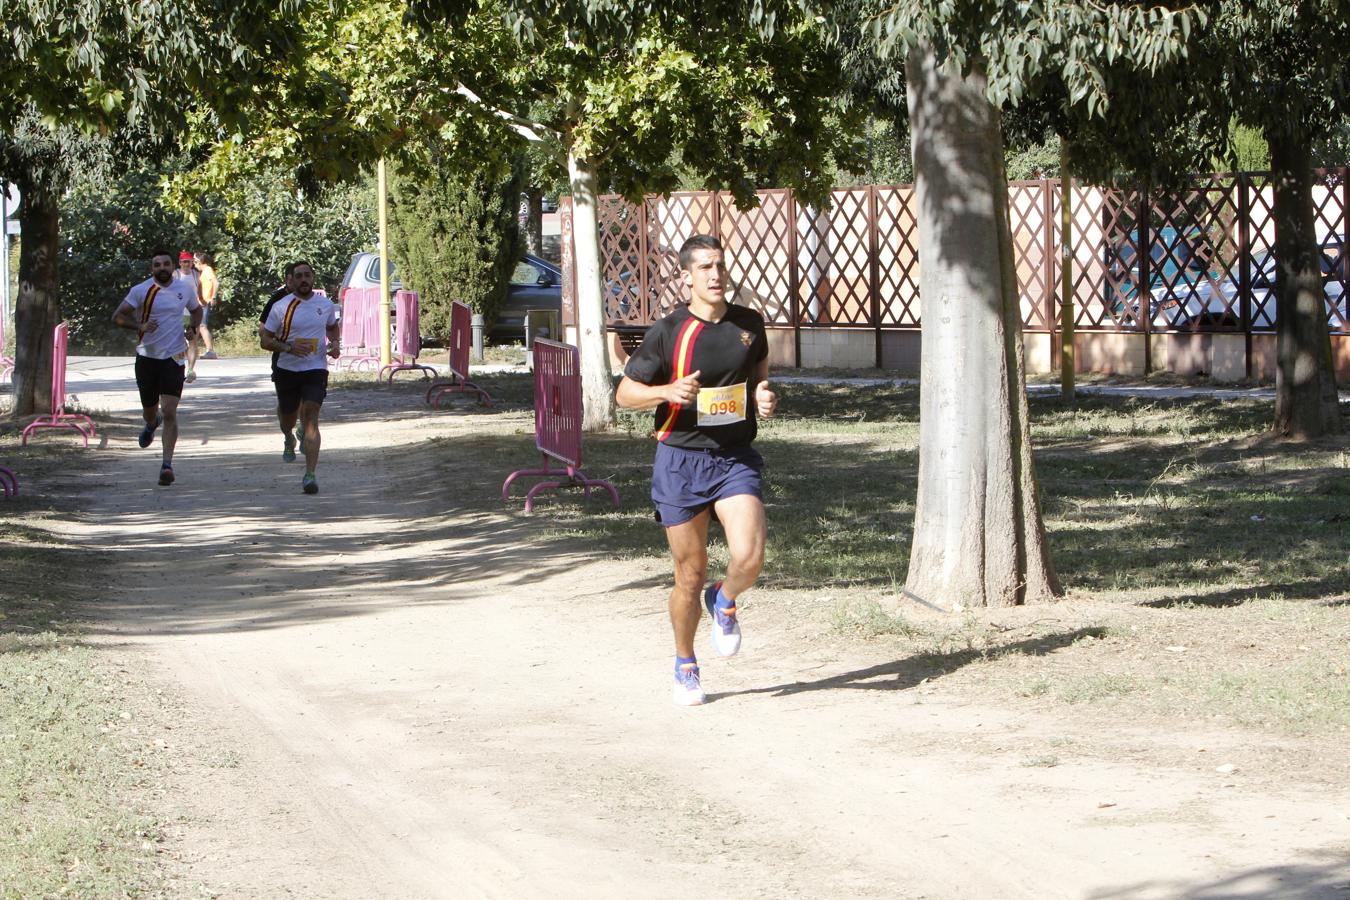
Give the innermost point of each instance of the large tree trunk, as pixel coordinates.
(978, 537)
(597, 386)
(37, 309)
(532, 221)
(1305, 377)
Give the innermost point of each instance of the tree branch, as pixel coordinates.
(531, 131)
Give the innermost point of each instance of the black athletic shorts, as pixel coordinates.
(292, 387)
(157, 378)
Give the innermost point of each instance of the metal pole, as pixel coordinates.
(386, 356)
(1144, 287)
(4, 264)
(1244, 262)
(1067, 359)
(476, 328)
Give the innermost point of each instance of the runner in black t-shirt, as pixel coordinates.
(705, 369)
(289, 439)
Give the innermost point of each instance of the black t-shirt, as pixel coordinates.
(723, 353)
(267, 308)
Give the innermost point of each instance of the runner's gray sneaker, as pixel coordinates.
(308, 484)
(148, 432)
(166, 474)
(288, 448)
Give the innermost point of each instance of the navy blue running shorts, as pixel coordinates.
(686, 482)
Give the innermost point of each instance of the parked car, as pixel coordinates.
(1213, 300)
(1175, 269)
(535, 284)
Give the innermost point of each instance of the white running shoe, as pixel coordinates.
(687, 690)
(726, 631)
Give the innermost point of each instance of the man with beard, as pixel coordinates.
(154, 309)
(303, 327)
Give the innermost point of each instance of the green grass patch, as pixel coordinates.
(1135, 494)
(68, 823)
(1166, 511)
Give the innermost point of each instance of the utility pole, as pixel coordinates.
(386, 355)
(1067, 361)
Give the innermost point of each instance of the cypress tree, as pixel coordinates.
(455, 237)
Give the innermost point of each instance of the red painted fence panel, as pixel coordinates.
(408, 336)
(557, 423)
(59, 418)
(461, 337)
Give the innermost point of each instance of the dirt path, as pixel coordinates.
(383, 691)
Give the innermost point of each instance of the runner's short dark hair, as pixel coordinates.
(297, 264)
(697, 242)
(290, 268)
(162, 252)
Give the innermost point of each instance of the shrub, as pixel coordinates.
(455, 237)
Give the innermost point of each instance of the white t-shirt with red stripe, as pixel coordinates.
(303, 323)
(165, 305)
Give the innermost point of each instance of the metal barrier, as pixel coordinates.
(6, 363)
(461, 338)
(557, 423)
(9, 484)
(59, 418)
(408, 334)
(360, 329)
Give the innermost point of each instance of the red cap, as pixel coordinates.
(184, 255)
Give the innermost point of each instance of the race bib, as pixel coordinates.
(721, 405)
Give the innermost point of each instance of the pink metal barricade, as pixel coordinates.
(461, 336)
(408, 333)
(59, 418)
(557, 423)
(360, 329)
(9, 484)
(6, 363)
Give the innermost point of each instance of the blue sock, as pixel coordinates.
(723, 601)
(685, 661)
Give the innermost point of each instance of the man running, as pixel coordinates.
(288, 439)
(302, 327)
(704, 369)
(154, 309)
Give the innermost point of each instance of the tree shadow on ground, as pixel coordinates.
(1307, 589)
(902, 674)
(1329, 880)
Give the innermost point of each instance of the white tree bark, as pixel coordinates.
(978, 538)
(597, 385)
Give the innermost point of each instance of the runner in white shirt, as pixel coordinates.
(303, 328)
(154, 309)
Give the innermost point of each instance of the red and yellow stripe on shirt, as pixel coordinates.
(682, 367)
(287, 320)
(149, 302)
